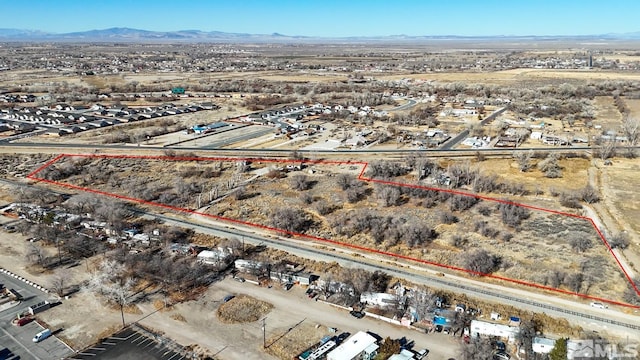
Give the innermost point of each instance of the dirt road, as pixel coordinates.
(245, 341)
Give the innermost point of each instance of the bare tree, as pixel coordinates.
(619, 240)
(388, 195)
(580, 241)
(480, 261)
(59, 283)
(300, 182)
(477, 349)
(606, 148)
(631, 130)
(550, 166)
(524, 160)
(110, 281)
(290, 219)
(36, 254)
(589, 194)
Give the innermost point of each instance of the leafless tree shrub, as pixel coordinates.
(486, 183)
(323, 207)
(386, 169)
(524, 160)
(619, 241)
(447, 217)
(387, 195)
(306, 198)
(458, 241)
(344, 181)
(550, 166)
(275, 174)
(512, 215)
(59, 284)
(300, 182)
(589, 195)
(290, 219)
(462, 174)
(484, 210)
(630, 294)
(574, 281)
(480, 261)
(580, 241)
(462, 202)
(355, 192)
(417, 234)
(570, 200)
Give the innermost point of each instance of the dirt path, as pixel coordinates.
(245, 341)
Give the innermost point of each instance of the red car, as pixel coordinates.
(24, 321)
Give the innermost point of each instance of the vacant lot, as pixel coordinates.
(620, 182)
(331, 203)
(243, 309)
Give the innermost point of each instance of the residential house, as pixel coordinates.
(379, 299)
(543, 345)
(483, 328)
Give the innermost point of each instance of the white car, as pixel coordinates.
(598, 305)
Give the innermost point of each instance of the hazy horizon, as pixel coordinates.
(331, 18)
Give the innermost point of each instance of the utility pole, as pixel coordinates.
(264, 333)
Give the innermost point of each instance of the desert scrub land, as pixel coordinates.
(330, 202)
(21, 165)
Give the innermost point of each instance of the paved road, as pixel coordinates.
(410, 103)
(18, 339)
(458, 138)
(235, 136)
(575, 312)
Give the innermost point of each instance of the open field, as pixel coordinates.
(421, 231)
(519, 75)
(621, 195)
(634, 107)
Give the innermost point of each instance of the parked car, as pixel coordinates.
(41, 335)
(342, 337)
(357, 314)
(24, 320)
(228, 298)
(239, 279)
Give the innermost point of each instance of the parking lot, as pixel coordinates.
(16, 341)
(130, 344)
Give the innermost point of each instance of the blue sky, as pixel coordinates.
(330, 17)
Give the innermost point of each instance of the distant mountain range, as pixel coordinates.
(137, 35)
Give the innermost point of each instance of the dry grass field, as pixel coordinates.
(529, 251)
(243, 309)
(606, 113)
(620, 187)
(634, 107)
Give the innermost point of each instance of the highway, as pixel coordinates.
(257, 153)
(577, 313)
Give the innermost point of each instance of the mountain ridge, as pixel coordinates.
(194, 35)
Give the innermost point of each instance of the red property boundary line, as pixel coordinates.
(361, 177)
